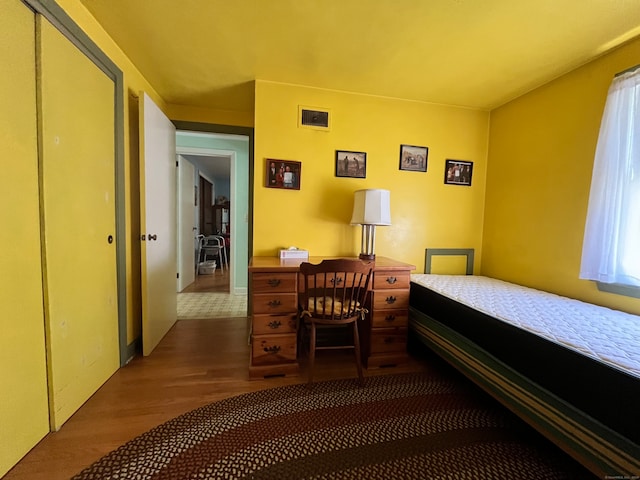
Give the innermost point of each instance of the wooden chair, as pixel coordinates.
(333, 298)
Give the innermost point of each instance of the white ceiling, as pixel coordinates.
(213, 167)
(473, 53)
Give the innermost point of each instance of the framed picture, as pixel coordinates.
(413, 158)
(458, 172)
(351, 164)
(282, 174)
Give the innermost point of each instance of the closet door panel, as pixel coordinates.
(23, 383)
(78, 192)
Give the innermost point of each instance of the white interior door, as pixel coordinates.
(158, 223)
(186, 224)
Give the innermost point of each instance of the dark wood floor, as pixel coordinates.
(198, 362)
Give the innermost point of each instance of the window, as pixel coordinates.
(611, 248)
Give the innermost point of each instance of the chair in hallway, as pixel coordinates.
(334, 298)
(212, 247)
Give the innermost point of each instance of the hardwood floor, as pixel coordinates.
(217, 282)
(198, 362)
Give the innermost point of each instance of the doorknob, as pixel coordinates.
(110, 239)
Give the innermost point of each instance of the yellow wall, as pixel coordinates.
(424, 211)
(207, 115)
(541, 152)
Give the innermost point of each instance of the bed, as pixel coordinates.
(569, 368)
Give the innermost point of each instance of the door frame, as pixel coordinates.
(65, 24)
(230, 130)
(183, 197)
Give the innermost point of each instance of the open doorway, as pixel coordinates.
(216, 193)
(204, 212)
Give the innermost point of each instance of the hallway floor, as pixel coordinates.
(209, 297)
(218, 281)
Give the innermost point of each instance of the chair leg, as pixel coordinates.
(312, 353)
(226, 259)
(356, 349)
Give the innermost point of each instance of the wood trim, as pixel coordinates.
(466, 252)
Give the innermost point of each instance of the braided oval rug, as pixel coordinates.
(406, 426)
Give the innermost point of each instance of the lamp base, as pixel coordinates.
(367, 256)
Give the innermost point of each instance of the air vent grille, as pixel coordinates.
(315, 118)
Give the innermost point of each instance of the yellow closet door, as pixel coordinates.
(23, 383)
(78, 188)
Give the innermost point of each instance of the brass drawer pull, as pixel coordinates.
(273, 349)
(391, 280)
(274, 303)
(390, 318)
(275, 324)
(273, 282)
(391, 300)
(336, 280)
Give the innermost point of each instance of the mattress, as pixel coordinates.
(585, 355)
(609, 336)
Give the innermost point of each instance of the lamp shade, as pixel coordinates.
(371, 207)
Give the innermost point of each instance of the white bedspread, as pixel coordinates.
(611, 336)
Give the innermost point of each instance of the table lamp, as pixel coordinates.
(371, 207)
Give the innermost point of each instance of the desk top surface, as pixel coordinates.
(257, 264)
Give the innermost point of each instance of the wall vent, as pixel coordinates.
(311, 117)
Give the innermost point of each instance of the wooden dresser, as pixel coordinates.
(384, 331)
(273, 306)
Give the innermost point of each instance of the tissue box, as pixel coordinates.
(286, 254)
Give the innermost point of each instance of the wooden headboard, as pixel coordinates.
(466, 252)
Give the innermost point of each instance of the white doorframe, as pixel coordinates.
(186, 227)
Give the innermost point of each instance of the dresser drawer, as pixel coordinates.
(390, 299)
(275, 303)
(272, 324)
(390, 318)
(273, 282)
(385, 340)
(390, 279)
(273, 349)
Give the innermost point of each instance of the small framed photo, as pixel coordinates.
(413, 158)
(282, 174)
(351, 164)
(458, 172)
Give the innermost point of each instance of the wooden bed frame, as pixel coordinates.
(596, 444)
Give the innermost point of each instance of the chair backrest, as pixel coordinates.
(335, 289)
(220, 239)
(212, 243)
